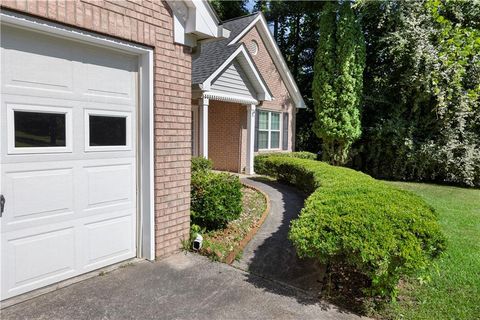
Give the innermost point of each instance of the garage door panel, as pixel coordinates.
(73, 211)
(36, 62)
(39, 194)
(39, 258)
(109, 185)
(109, 240)
(101, 68)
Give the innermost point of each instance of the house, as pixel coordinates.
(244, 97)
(96, 126)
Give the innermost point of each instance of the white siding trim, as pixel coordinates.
(264, 93)
(233, 81)
(229, 98)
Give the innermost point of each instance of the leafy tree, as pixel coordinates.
(421, 117)
(338, 81)
(228, 9)
(295, 28)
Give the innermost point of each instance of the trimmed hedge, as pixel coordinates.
(381, 231)
(297, 154)
(216, 198)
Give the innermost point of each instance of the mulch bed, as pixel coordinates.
(226, 245)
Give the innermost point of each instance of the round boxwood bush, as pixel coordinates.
(353, 219)
(216, 199)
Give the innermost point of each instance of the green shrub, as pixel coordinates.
(216, 199)
(381, 231)
(201, 164)
(258, 161)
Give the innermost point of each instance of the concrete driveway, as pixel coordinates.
(184, 286)
(269, 282)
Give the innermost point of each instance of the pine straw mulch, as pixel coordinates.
(219, 244)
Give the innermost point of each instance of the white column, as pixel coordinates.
(250, 138)
(203, 113)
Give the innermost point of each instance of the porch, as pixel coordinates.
(224, 132)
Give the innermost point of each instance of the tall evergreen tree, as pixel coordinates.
(338, 81)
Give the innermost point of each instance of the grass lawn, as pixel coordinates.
(219, 243)
(452, 287)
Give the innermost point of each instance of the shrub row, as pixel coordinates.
(381, 231)
(297, 154)
(216, 198)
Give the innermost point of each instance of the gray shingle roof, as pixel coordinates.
(237, 25)
(211, 54)
(209, 57)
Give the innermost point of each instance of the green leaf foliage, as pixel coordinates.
(338, 81)
(228, 9)
(259, 158)
(200, 164)
(216, 198)
(421, 111)
(349, 217)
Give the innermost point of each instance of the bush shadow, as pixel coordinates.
(270, 257)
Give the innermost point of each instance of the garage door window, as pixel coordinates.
(107, 131)
(38, 129)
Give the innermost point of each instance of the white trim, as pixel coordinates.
(195, 131)
(146, 245)
(203, 112)
(269, 130)
(250, 138)
(114, 114)
(229, 98)
(194, 19)
(277, 58)
(52, 28)
(11, 108)
(264, 95)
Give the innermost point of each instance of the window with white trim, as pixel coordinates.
(268, 130)
(107, 130)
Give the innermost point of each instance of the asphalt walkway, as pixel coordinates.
(270, 254)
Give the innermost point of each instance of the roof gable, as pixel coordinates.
(244, 62)
(234, 80)
(259, 21)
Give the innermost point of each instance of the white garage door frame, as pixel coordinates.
(145, 153)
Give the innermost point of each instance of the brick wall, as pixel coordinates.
(226, 121)
(282, 101)
(149, 23)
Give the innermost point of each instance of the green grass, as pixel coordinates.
(451, 288)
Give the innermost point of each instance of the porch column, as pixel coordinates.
(203, 113)
(250, 138)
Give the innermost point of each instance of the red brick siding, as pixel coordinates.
(282, 100)
(226, 121)
(149, 23)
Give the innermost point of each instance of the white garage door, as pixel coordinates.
(68, 149)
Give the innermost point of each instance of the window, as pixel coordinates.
(268, 133)
(107, 130)
(38, 129)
